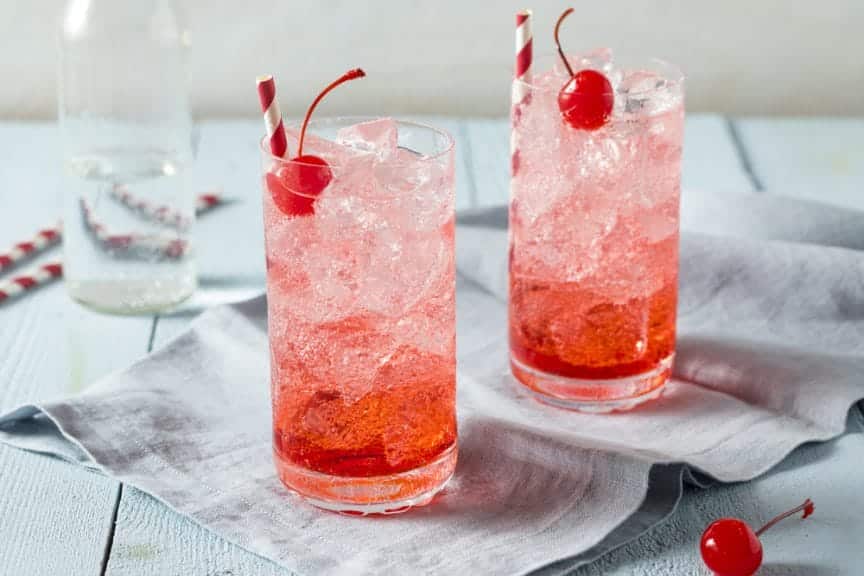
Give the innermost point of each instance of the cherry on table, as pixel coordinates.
(586, 100)
(729, 547)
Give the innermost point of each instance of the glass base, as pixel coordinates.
(595, 396)
(360, 496)
(133, 297)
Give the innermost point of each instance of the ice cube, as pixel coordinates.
(638, 89)
(403, 176)
(640, 82)
(599, 59)
(418, 190)
(656, 226)
(333, 268)
(400, 271)
(378, 136)
(350, 352)
(334, 152)
(428, 326)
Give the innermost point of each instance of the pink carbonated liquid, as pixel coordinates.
(594, 238)
(361, 298)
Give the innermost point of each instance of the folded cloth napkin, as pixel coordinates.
(770, 355)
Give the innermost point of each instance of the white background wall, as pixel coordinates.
(455, 56)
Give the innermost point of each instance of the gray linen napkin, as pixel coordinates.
(770, 355)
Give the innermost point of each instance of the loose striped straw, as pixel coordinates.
(131, 244)
(44, 239)
(29, 280)
(272, 116)
(23, 250)
(521, 92)
(48, 237)
(164, 215)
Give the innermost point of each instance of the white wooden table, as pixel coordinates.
(56, 519)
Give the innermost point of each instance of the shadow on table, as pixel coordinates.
(506, 474)
(677, 537)
(788, 569)
(219, 290)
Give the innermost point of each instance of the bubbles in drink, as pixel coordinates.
(594, 227)
(362, 308)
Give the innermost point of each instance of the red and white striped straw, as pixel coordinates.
(524, 56)
(29, 280)
(23, 250)
(132, 244)
(48, 237)
(45, 273)
(163, 214)
(272, 116)
(521, 92)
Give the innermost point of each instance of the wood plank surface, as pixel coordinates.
(820, 159)
(712, 159)
(153, 540)
(823, 545)
(48, 344)
(56, 518)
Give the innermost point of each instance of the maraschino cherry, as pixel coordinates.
(299, 181)
(729, 546)
(586, 99)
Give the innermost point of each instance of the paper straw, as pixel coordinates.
(521, 93)
(45, 273)
(42, 240)
(49, 237)
(164, 215)
(524, 57)
(272, 116)
(29, 280)
(147, 245)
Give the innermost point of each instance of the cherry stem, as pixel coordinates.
(350, 75)
(558, 42)
(807, 507)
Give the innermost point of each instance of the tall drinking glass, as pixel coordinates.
(594, 237)
(361, 302)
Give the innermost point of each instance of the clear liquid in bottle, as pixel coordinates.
(121, 256)
(128, 213)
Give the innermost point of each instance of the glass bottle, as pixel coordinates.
(126, 131)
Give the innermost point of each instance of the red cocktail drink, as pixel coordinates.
(361, 300)
(594, 231)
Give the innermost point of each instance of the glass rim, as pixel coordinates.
(672, 73)
(448, 146)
